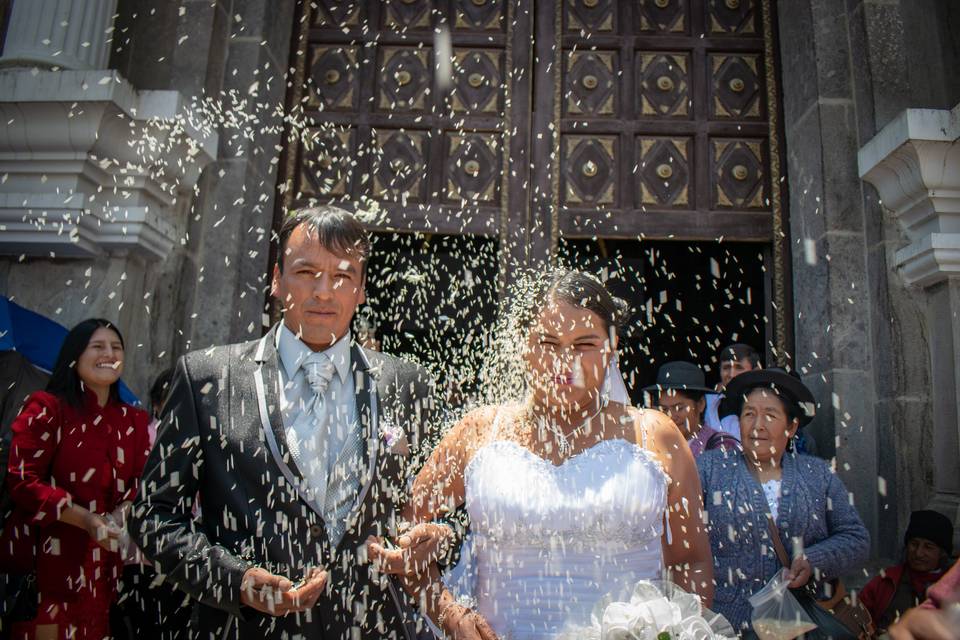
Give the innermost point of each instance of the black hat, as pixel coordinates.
(932, 526)
(787, 386)
(679, 375)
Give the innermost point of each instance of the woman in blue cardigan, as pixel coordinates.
(812, 509)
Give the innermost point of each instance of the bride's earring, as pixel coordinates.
(607, 387)
(607, 377)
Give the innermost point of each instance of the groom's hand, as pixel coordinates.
(276, 595)
(417, 549)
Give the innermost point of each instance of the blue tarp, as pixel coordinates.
(38, 339)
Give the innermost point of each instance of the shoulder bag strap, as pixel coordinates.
(839, 592)
(777, 543)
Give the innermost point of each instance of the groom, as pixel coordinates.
(298, 447)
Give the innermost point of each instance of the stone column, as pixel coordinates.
(69, 34)
(914, 163)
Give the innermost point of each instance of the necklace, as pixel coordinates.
(562, 439)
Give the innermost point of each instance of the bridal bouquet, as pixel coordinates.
(649, 613)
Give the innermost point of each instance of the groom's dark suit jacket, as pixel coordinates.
(222, 440)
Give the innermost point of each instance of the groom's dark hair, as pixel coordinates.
(584, 291)
(338, 231)
(739, 352)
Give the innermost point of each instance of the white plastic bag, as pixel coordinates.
(776, 613)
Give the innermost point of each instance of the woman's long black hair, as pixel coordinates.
(64, 381)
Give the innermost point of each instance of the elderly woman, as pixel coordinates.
(743, 489)
(927, 546)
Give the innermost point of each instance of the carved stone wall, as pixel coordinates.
(226, 56)
(862, 333)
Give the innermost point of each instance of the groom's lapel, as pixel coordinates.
(365, 378)
(267, 379)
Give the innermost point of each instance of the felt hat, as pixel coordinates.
(679, 375)
(787, 386)
(932, 526)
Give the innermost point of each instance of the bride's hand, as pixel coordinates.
(417, 549)
(466, 624)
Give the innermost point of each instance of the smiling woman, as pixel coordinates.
(75, 462)
(97, 348)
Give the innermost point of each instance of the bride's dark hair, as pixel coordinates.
(584, 291)
(503, 375)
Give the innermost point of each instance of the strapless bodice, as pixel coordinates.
(550, 540)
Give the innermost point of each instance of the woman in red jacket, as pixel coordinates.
(75, 463)
(927, 546)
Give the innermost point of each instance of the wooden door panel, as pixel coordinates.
(474, 167)
(470, 15)
(406, 15)
(591, 84)
(379, 125)
(399, 165)
(590, 166)
(404, 79)
(677, 114)
(739, 173)
(668, 224)
(736, 86)
(663, 84)
(733, 17)
(325, 167)
(477, 82)
(594, 16)
(665, 175)
(334, 72)
(336, 14)
(663, 16)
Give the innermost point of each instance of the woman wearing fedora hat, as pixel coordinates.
(744, 489)
(680, 393)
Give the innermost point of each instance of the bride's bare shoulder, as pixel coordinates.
(476, 421)
(476, 426)
(653, 427)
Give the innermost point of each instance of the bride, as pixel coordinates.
(570, 495)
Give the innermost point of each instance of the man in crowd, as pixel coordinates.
(734, 359)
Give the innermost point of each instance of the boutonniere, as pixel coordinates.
(393, 438)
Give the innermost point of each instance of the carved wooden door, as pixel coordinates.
(431, 149)
(668, 128)
(664, 119)
(647, 119)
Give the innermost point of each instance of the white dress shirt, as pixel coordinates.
(296, 392)
(711, 417)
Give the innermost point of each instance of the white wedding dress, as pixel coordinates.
(548, 542)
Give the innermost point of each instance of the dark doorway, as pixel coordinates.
(687, 299)
(433, 299)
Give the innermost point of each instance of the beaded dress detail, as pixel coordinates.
(550, 540)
